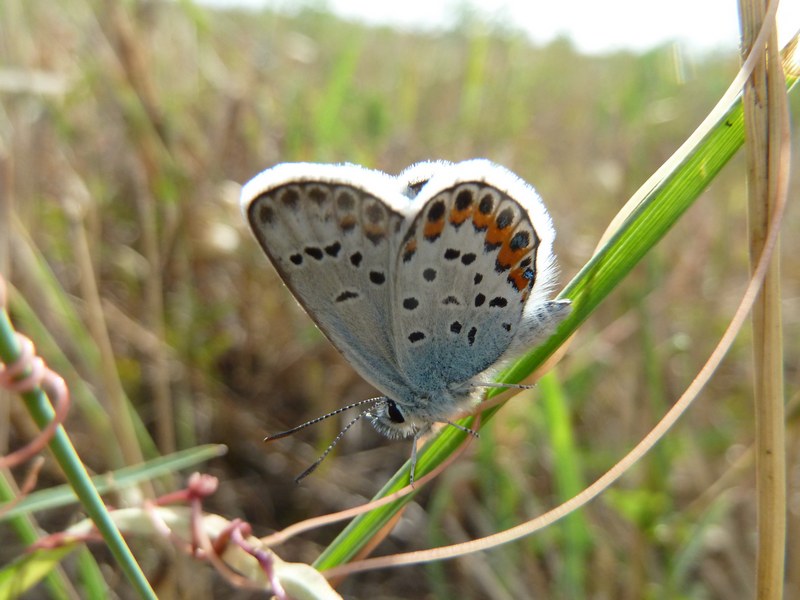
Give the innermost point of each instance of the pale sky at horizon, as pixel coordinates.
(592, 26)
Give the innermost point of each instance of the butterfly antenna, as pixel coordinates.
(288, 432)
(317, 462)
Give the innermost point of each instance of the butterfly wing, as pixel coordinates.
(473, 269)
(331, 232)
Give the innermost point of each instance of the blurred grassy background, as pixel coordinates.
(126, 131)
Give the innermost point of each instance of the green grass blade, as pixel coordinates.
(569, 481)
(93, 584)
(63, 495)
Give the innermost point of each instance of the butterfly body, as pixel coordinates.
(426, 282)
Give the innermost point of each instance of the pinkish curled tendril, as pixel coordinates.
(201, 546)
(26, 374)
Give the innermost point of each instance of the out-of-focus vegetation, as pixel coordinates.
(126, 131)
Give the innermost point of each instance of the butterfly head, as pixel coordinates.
(393, 421)
(414, 415)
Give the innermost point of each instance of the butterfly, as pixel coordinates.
(427, 282)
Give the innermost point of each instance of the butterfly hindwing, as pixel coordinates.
(465, 269)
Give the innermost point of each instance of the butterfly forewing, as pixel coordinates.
(332, 242)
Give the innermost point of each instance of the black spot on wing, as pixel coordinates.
(410, 303)
(313, 252)
(463, 200)
(345, 201)
(333, 249)
(266, 214)
(317, 195)
(346, 295)
(289, 198)
(520, 240)
(505, 218)
(436, 211)
(374, 213)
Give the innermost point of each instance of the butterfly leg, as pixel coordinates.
(413, 459)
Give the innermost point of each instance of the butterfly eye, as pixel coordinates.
(394, 413)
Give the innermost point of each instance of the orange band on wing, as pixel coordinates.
(496, 236)
(481, 221)
(519, 280)
(433, 229)
(507, 257)
(457, 217)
